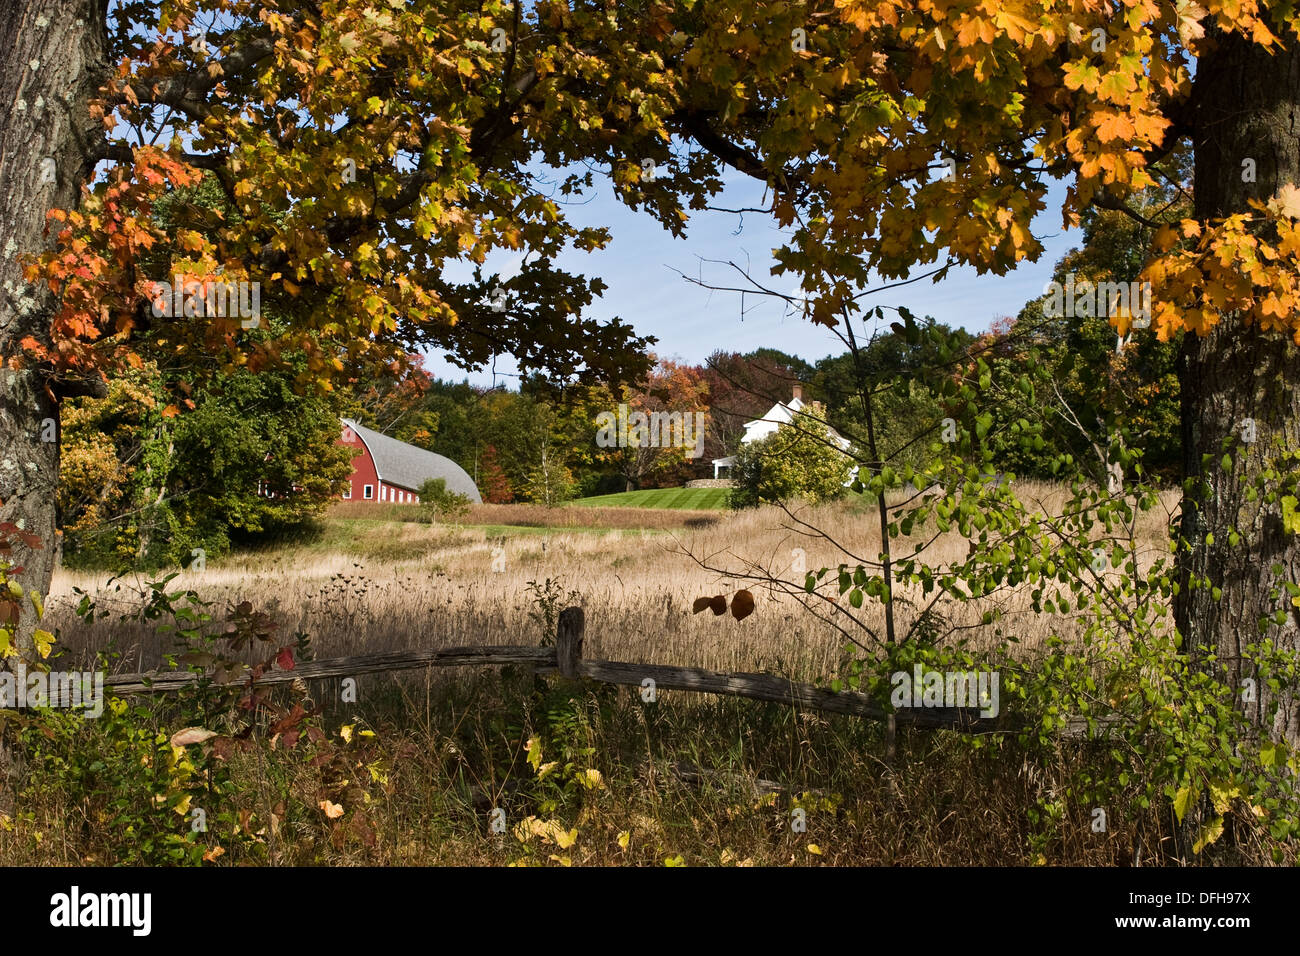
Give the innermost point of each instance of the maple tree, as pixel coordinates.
(396, 404)
(495, 483)
(636, 443)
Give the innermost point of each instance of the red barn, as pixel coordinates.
(391, 470)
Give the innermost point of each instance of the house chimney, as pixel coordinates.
(798, 392)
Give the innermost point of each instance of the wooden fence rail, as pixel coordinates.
(566, 657)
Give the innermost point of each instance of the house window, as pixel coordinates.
(347, 492)
(369, 492)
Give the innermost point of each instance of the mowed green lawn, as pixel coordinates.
(675, 499)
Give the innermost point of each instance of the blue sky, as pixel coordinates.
(691, 322)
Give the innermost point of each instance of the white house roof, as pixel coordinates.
(408, 466)
(783, 413)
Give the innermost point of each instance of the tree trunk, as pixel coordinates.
(1246, 106)
(54, 62)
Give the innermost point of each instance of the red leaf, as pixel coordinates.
(284, 660)
(289, 721)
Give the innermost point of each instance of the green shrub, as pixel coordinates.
(436, 501)
(795, 462)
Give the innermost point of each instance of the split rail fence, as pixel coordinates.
(566, 658)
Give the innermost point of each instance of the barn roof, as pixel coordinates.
(407, 466)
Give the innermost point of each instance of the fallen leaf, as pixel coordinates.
(191, 735)
(332, 810)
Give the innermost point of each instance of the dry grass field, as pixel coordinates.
(373, 582)
(582, 773)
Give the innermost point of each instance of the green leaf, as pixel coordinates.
(1290, 520)
(1182, 799)
(1269, 755)
(1221, 795)
(1211, 832)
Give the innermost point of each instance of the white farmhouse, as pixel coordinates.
(782, 413)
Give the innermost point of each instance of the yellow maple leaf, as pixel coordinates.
(1165, 238)
(1261, 34)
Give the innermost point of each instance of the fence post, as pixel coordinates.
(568, 640)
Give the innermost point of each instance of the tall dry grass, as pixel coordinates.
(374, 582)
(450, 746)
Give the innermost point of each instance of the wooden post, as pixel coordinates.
(568, 640)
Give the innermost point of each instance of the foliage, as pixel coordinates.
(800, 460)
(630, 432)
(13, 598)
(742, 388)
(550, 483)
(549, 598)
(437, 501)
(142, 489)
(496, 488)
(173, 797)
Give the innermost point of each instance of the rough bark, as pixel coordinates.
(54, 61)
(1246, 106)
